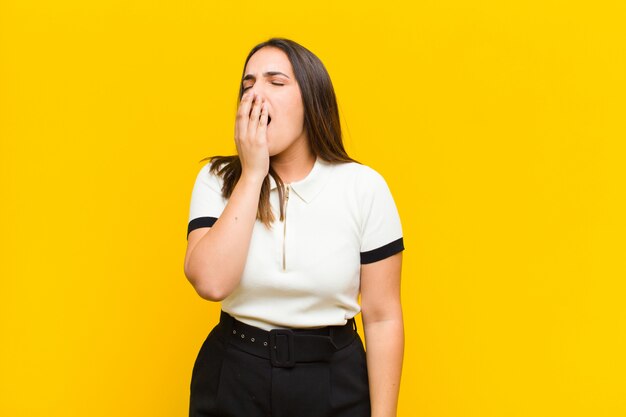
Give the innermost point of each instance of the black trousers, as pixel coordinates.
(244, 371)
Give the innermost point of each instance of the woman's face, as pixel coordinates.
(269, 74)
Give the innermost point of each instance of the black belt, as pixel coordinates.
(285, 347)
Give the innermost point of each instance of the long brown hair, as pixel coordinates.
(321, 123)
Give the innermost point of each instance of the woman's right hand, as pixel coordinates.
(251, 137)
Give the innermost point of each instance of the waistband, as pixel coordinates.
(286, 347)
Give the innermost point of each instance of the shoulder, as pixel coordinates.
(208, 178)
(365, 179)
(357, 171)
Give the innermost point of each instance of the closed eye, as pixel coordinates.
(245, 88)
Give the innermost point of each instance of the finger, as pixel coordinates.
(262, 129)
(254, 116)
(242, 114)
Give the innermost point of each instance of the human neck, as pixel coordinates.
(293, 167)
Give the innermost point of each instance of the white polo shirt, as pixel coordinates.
(305, 271)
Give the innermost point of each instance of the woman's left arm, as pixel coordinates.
(383, 326)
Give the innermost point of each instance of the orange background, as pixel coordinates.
(498, 126)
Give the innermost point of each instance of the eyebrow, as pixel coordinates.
(265, 74)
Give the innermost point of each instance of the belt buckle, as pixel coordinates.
(281, 340)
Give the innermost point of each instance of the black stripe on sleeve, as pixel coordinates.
(382, 252)
(199, 222)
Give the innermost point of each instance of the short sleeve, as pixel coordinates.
(207, 203)
(381, 229)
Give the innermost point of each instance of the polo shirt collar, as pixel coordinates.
(308, 187)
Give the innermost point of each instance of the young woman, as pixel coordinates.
(286, 234)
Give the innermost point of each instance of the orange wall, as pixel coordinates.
(499, 127)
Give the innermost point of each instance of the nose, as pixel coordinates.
(257, 89)
(259, 96)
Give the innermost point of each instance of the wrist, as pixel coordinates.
(251, 179)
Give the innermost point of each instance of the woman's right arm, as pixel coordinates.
(216, 256)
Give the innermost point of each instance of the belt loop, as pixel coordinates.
(226, 321)
(331, 335)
